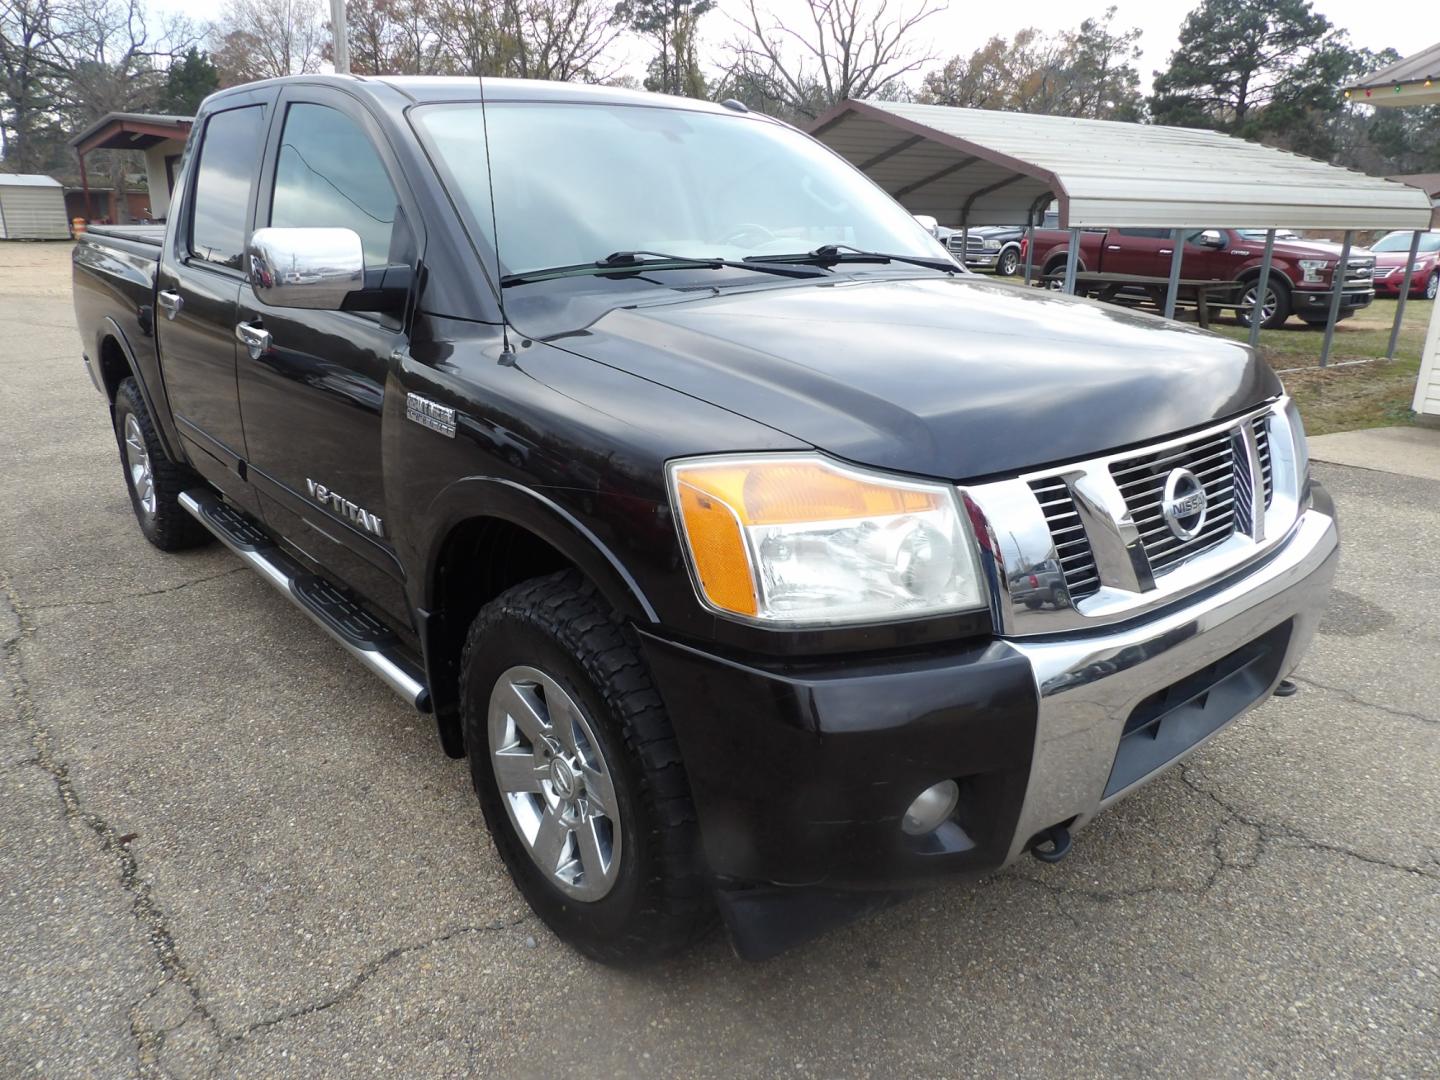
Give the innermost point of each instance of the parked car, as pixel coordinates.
(691, 509)
(1392, 252)
(1302, 272)
(982, 253)
(993, 247)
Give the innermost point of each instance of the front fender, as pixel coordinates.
(532, 509)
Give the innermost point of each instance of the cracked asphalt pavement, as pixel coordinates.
(225, 850)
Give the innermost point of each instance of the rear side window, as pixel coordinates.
(329, 175)
(1147, 234)
(226, 168)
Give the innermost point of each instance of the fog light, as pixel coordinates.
(931, 808)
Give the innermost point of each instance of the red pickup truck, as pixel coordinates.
(1302, 271)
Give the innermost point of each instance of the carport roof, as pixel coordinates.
(131, 131)
(980, 167)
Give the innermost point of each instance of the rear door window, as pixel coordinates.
(223, 175)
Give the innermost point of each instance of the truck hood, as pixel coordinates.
(1312, 249)
(957, 378)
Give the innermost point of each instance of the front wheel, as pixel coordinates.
(578, 773)
(1432, 285)
(1275, 310)
(1009, 264)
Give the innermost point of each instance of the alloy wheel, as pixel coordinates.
(555, 783)
(1267, 312)
(137, 465)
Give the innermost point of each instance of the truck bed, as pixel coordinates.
(148, 235)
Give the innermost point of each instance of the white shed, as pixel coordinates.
(32, 208)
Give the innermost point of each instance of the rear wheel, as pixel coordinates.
(152, 479)
(578, 773)
(1275, 310)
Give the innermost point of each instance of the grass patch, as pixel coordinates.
(1344, 398)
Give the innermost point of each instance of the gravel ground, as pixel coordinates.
(226, 850)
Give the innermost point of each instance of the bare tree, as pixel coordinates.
(116, 58)
(840, 49)
(1032, 72)
(525, 39)
(671, 27)
(561, 39)
(263, 39)
(31, 60)
(391, 37)
(1083, 72)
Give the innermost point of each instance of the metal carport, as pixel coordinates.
(977, 167)
(1413, 81)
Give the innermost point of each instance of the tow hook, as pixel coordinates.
(1286, 688)
(1052, 844)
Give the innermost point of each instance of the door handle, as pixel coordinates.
(1112, 247)
(254, 338)
(170, 303)
(1167, 251)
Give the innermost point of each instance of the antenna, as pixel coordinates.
(507, 354)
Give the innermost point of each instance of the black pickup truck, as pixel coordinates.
(763, 561)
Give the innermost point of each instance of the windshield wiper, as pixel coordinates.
(829, 254)
(621, 261)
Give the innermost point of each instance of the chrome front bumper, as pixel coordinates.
(1090, 683)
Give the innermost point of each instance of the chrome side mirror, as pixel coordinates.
(306, 268)
(1212, 238)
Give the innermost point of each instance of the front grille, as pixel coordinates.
(1072, 547)
(1142, 483)
(1261, 426)
(974, 246)
(1360, 271)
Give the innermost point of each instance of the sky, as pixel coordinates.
(1407, 25)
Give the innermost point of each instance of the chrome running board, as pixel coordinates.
(356, 631)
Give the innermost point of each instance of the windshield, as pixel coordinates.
(1400, 241)
(575, 183)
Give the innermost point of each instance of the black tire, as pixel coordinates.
(1432, 285)
(1283, 305)
(1053, 277)
(165, 523)
(1008, 265)
(660, 901)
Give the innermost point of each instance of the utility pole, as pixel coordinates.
(342, 40)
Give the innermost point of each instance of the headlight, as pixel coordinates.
(1419, 267)
(1313, 268)
(800, 540)
(992, 245)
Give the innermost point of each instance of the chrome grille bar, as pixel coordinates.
(1099, 525)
